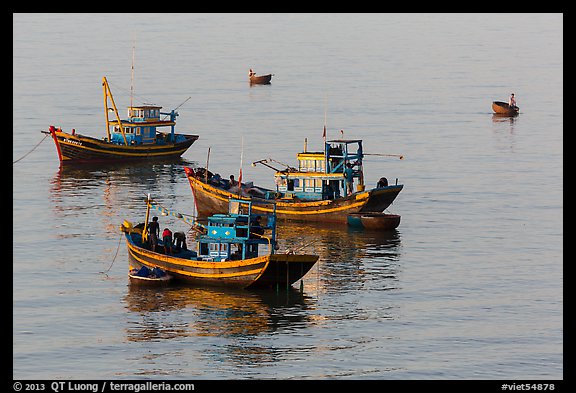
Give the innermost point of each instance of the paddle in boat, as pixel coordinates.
(259, 79)
(316, 191)
(236, 249)
(136, 138)
(503, 108)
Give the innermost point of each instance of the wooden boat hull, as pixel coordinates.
(84, 149)
(374, 221)
(212, 200)
(502, 108)
(260, 79)
(268, 271)
(148, 281)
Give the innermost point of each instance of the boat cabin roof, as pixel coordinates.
(345, 141)
(145, 107)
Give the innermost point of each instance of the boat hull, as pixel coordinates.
(149, 281)
(502, 108)
(268, 271)
(261, 79)
(374, 221)
(212, 200)
(84, 149)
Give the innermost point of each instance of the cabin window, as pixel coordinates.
(297, 185)
(203, 248)
(137, 130)
(312, 185)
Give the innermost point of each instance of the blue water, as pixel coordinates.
(470, 285)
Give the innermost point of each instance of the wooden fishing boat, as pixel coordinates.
(236, 249)
(136, 138)
(260, 79)
(144, 276)
(316, 191)
(374, 221)
(503, 108)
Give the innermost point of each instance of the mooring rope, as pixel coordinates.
(38, 144)
(115, 255)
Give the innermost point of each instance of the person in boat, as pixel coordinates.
(167, 239)
(180, 241)
(328, 191)
(512, 101)
(232, 182)
(153, 233)
(256, 230)
(251, 73)
(237, 255)
(383, 182)
(349, 177)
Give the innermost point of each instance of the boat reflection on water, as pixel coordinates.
(90, 192)
(183, 311)
(350, 258)
(500, 118)
(144, 175)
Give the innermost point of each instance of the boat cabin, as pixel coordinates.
(240, 234)
(141, 126)
(320, 175)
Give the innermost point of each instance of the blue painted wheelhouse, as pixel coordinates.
(141, 126)
(321, 175)
(237, 235)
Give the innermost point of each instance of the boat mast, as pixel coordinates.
(324, 136)
(108, 93)
(145, 229)
(132, 80)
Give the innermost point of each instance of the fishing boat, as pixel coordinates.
(136, 138)
(316, 191)
(148, 277)
(374, 221)
(503, 108)
(260, 79)
(236, 249)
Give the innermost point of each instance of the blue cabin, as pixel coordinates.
(141, 127)
(320, 175)
(240, 234)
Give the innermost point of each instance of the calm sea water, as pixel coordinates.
(470, 285)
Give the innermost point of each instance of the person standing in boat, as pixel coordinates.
(349, 177)
(167, 239)
(512, 101)
(251, 73)
(180, 241)
(153, 233)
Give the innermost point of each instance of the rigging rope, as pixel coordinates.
(38, 144)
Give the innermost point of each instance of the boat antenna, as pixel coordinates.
(241, 159)
(324, 133)
(132, 75)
